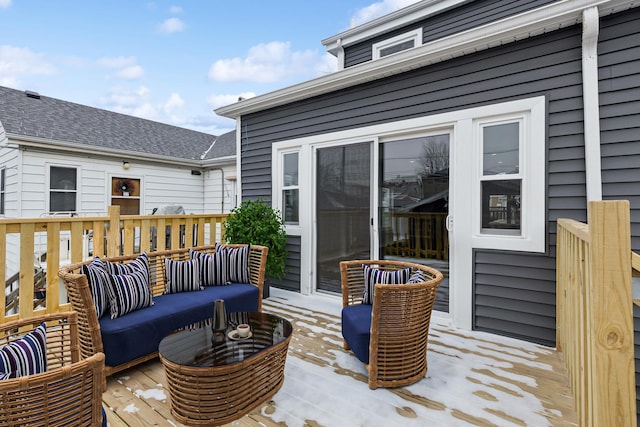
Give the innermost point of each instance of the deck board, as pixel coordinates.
(474, 379)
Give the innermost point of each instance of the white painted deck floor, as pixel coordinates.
(474, 379)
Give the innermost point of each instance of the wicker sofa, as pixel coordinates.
(134, 337)
(388, 331)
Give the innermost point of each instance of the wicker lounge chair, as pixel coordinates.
(69, 393)
(390, 336)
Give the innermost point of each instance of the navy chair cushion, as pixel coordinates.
(104, 418)
(139, 333)
(356, 329)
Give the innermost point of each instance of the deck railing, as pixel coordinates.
(87, 237)
(595, 314)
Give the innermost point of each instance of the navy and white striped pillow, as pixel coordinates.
(128, 292)
(374, 275)
(238, 262)
(417, 277)
(138, 264)
(26, 356)
(213, 267)
(96, 273)
(182, 276)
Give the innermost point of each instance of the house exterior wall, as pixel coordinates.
(161, 184)
(219, 190)
(548, 65)
(470, 15)
(619, 87)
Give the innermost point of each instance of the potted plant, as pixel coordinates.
(257, 223)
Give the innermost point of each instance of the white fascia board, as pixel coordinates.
(398, 19)
(544, 19)
(73, 147)
(218, 161)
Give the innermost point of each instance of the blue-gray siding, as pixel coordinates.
(619, 75)
(462, 18)
(514, 293)
(547, 65)
(292, 279)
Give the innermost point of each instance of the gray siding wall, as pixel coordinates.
(548, 65)
(292, 279)
(462, 18)
(619, 75)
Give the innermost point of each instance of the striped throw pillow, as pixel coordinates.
(213, 267)
(238, 263)
(182, 276)
(96, 273)
(373, 275)
(26, 356)
(138, 264)
(417, 277)
(128, 292)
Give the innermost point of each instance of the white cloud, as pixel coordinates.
(16, 62)
(5, 3)
(268, 63)
(220, 100)
(171, 25)
(117, 62)
(134, 72)
(378, 9)
(175, 9)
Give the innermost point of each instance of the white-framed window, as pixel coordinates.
(290, 197)
(508, 193)
(3, 175)
(397, 44)
(63, 189)
(501, 177)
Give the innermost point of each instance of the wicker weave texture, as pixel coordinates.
(81, 301)
(400, 321)
(205, 396)
(68, 394)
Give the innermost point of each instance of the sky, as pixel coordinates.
(172, 61)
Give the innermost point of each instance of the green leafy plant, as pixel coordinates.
(257, 223)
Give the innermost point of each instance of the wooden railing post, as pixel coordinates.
(113, 239)
(610, 317)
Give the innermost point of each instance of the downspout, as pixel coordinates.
(590, 97)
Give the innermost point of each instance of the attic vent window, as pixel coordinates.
(32, 94)
(397, 44)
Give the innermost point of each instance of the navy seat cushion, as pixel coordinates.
(356, 329)
(139, 333)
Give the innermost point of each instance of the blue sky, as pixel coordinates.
(171, 61)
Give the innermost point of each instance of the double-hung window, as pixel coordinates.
(290, 189)
(63, 189)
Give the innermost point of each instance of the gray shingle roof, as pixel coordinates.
(64, 121)
(225, 146)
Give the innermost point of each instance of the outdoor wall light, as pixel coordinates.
(125, 165)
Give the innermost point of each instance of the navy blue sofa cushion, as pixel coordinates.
(356, 329)
(139, 333)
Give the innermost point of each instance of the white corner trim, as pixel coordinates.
(590, 25)
(544, 19)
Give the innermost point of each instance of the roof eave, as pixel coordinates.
(544, 19)
(74, 147)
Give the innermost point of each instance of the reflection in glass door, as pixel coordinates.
(343, 210)
(414, 204)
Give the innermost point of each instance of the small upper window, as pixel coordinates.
(397, 44)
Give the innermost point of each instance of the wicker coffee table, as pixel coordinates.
(216, 383)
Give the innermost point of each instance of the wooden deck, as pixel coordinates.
(474, 379)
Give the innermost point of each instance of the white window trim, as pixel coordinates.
(48, 185)
(277, 159)
(532, 236)
(415, 36)
(284, 187)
